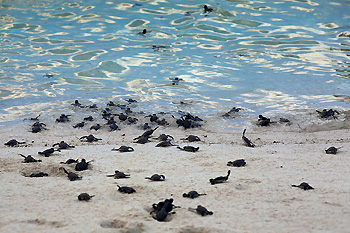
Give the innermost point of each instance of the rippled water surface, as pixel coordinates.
(270, 57)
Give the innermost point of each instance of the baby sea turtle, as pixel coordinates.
(144, 31)
(62, 145)
(156, 177)
(162, 209)
(247, 142)
(37, 127)
(328, 113)
(162, 122)
(48, 152)
(192, 138)
(77, 104)
(63, 118)
(33, 118)
(189, 148)
(126, 189)
(124, 149)
(70, 161)
(113, 127)
(79, 125)
(165, 144)
(160, 215)
(284, 120)
(303, 185)
(106, 114)
(263, 121)
(207, 9)
(122, 117)
(176, 80)
(146, 134)
(84, 197)
(220, 179)
(131, 100)
(237, 163)
(83, 165)
(90, 138)
(119, 175)
(71, 175)
(95, 127)
(193, 194)
(47, 75)
(40, 174)
(165, 137)
(13, 142)
(230, 114)
(201, 210)
(187, 123)
(153, 117)
(111, 121)
(89, 118)
(111, 104)
(92, 106)
(145, 126)
(142, 140)
(332, 150)
(29, 159)
(129, 111)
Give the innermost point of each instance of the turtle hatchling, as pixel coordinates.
(70, 161)
(13, 142)
(156, 177)
(85, 197)
(29, 159)
(95, 127)
(47, 152)
(40, 174)
(62, 145)
(163, 209)
(303, 185)
(193, 194)
(83, 165)
(332, 150)
(124, 149)
(79, 125)
(201, 210)
(119, 175)
(71, 175)
(192, 138)
(63, 118)
(220, 179)
(90, 138)
(37, 127)
(126, 189)
(165, 137)
(189, 148)
(142, 140)
(237, 163)
(164, 144)
(246, 141)
(146, 134)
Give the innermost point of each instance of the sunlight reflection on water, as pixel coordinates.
(263, 56)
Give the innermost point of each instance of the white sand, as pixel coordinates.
(256, 198)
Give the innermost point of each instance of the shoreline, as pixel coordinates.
(256, 198)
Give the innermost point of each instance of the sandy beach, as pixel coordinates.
(256, 198)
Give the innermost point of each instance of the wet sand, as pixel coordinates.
(256, 198)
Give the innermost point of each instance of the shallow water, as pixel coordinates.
(267, 57)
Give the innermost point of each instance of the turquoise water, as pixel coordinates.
(267, 57)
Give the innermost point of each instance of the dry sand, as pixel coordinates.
(256, 198)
